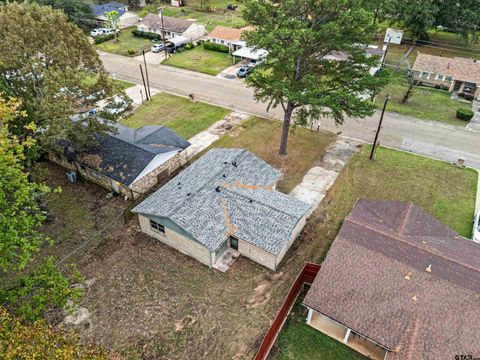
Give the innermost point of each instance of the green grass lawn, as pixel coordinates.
(299, 341)
(183, 116)
(201, 60)
(262, 137)
(426, 103)
(127, 42)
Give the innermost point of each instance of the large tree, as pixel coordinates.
(416, 16)
(302, 37)
(28, 290)
(460, 16)
(48, 63)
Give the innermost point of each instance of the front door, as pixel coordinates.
(233, 243)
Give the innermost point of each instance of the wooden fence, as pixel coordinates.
(306, 276)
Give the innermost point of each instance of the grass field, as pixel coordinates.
(201, 60)
(425, 103)
(183, 116)
(126, 42)
(299, 341)
(262, 137)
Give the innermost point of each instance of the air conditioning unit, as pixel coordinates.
(72, 176)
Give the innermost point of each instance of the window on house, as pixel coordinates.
(222, 41)
(448, 78)
(425, 75)
(157, 227)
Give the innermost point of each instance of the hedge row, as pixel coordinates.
(146, 34)
(102, 38)
(465, 114)
(215, 47)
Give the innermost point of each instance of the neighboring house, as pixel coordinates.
(230, 37)
(223, 205)
(172, 26)
(126, 19)
(457, 74)
(397, 284)
(129, 162)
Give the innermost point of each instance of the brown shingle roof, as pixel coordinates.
(170, 23)
(403, 279)
(458, 68)
(225, 33)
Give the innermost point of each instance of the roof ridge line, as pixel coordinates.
(395, 237)
(406, 215)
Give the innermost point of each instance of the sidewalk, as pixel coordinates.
(475, 122)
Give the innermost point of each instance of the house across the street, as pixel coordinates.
(126, 18)
(457, 75)
(227, 36)
(223, 205)
(172, 26)
(397, 284)
(130, 162)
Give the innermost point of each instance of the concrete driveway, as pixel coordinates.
(230, 73)
(152, 58)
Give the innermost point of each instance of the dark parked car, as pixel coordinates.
(244, 71)
(232, 7)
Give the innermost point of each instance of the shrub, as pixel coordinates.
(145, 34)
(215, 47)
(102, 38)
(188, 46)
(131, 51)
(465, 114)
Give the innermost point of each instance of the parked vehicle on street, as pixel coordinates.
(156, 48)
(97, 32)
(244, 71)
(476, 228)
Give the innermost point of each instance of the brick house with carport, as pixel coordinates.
(224, 205)
(398, 284)
(173, 27)
(227, 36)
(128, 162)
(457, 75)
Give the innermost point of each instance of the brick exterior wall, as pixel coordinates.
(148, 181)
(177, 241)
(92, 175)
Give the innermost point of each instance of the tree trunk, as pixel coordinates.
(287, 117)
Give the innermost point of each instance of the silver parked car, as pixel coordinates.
(97, 32)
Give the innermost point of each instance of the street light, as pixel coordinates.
(160, 13)
(379, 127)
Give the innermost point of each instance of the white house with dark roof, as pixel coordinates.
(223, 205)
(173, 27)
(126, 18)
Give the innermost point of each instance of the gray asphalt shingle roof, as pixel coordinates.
(233, 183)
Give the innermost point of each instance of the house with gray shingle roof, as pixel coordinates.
(172, 27)
(225, 203)
(127, 161)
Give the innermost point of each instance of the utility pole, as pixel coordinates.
(144, 85)
(160, 12)
(372, 154)
(386, 53)
(146, 74)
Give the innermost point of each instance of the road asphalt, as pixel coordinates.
(429, 138)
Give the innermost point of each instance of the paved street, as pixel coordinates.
(427, 138)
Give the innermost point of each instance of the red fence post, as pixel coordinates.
(307, 275)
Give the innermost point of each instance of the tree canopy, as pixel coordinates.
(317, 61)
(29, 292)
(48, 63)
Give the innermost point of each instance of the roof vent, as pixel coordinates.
(429, 268)
(234, 163)
(217, 189)
(225, 162)
(408, 276)
(224, 175)
(414, 298)
(250, 201)
(189, 194)
(178, 184)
